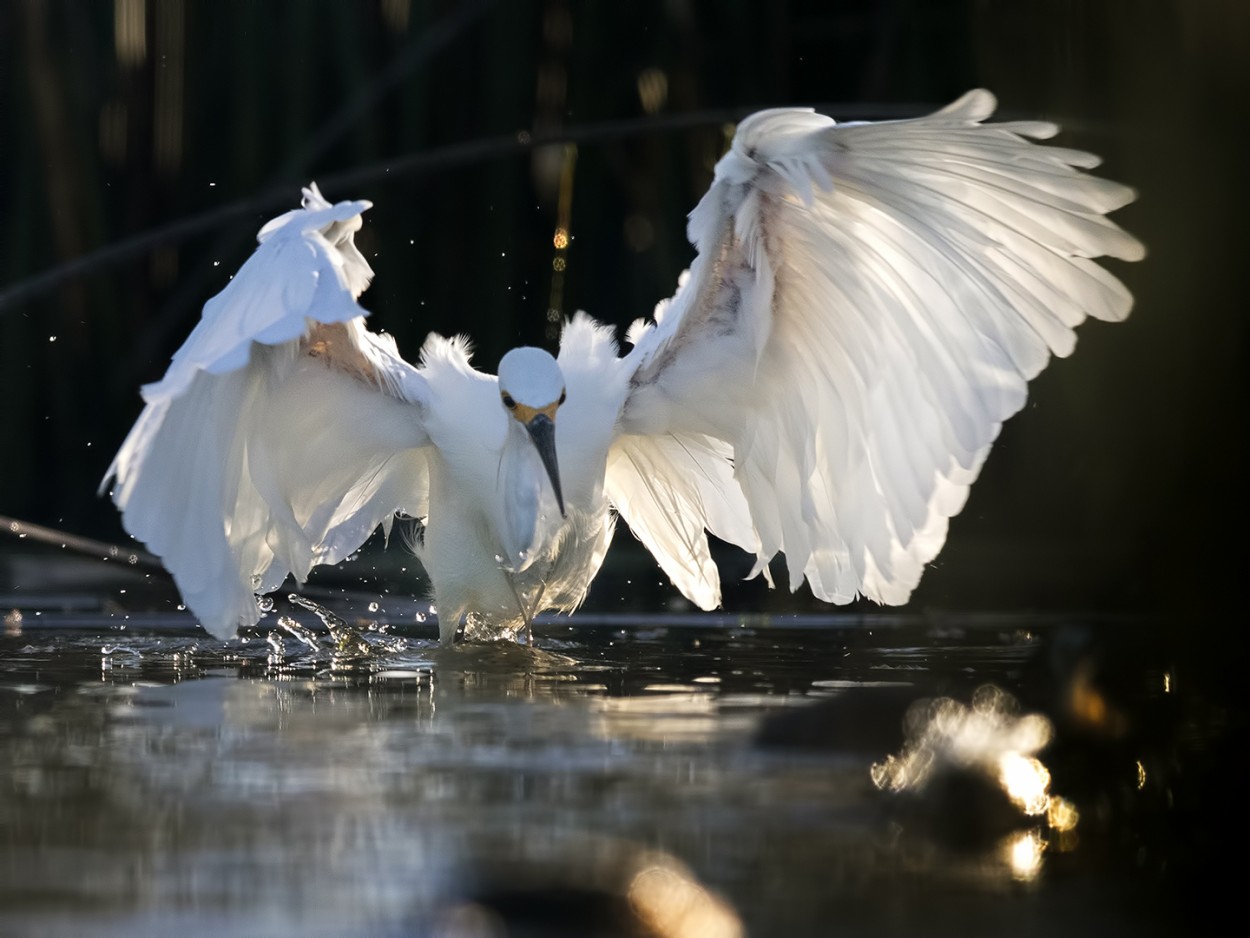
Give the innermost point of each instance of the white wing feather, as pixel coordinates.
(867, 306)
(669, 488)
(283, 432)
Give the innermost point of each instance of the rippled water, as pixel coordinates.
(682, 776)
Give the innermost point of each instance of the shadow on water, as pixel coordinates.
(669, 777)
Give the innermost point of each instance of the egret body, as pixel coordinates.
(502, 539)
(868, 304)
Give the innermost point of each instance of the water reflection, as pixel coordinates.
(604, 779)
(322, 782)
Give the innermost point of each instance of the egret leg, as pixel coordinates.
(533, 611)
(527, 611)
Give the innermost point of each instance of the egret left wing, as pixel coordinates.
(867, 306)
(283, 432)
(671, 489)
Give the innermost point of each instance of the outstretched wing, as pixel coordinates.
(868, 304)
(283, 432)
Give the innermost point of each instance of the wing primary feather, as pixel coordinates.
(868, 304)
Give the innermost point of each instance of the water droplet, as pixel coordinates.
(51, 338)
(299, 632)
(373, 607)
(264, 603)
(109, 651)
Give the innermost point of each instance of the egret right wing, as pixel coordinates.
(283, 432)
(867, 306)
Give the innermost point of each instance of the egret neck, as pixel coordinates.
(531, 390)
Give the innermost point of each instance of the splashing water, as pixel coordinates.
(480, 629)
(349, 641)
(278, 654)
(300, 632)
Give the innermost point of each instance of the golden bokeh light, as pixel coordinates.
(992, 738)
(670, 903)
(1024, 853)
(1061, 814)
(652, 89)
(1026, 782)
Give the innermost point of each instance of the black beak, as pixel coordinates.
(542, 430)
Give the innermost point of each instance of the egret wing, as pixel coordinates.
(284, 431)
(671, 489)
(867, 306)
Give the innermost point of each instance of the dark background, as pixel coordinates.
(1116, 488)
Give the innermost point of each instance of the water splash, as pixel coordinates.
(479, 628)
(278, 653)
(112, 651)
(348, 641)
(300, 632)
(118, 655)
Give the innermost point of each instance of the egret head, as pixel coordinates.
(531, 388)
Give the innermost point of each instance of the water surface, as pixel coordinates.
(679, 776)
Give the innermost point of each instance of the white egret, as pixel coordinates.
(868, 303)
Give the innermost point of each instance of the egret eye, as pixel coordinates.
(563, 395)
(508, 402)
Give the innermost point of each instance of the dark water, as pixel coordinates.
(663, 777)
